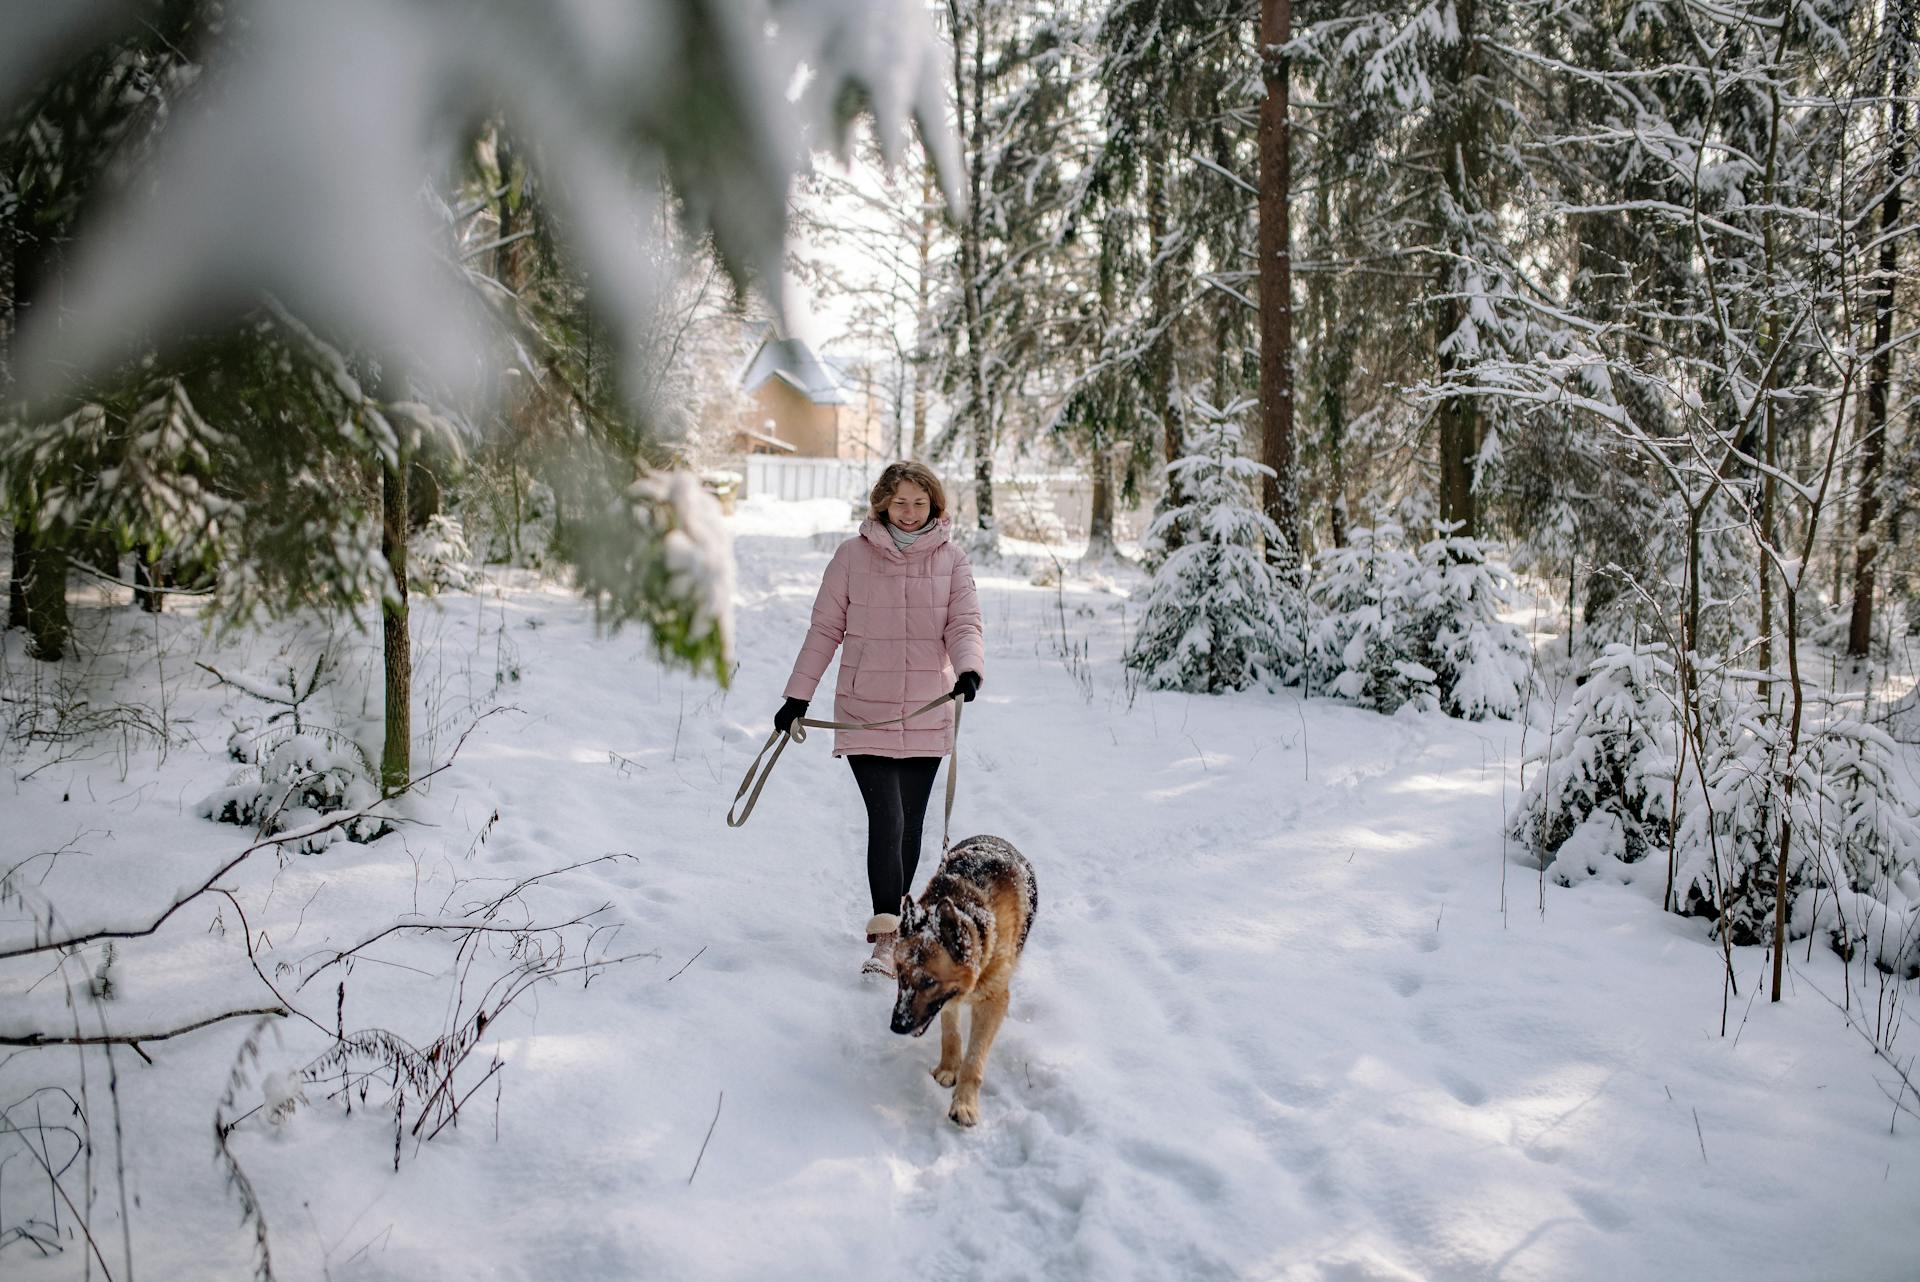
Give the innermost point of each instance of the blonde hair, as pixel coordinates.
(907, 470)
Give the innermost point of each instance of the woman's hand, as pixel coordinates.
(790, 711)
(967, 686)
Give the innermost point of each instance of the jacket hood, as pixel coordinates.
(876, 533)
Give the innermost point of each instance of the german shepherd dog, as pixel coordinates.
(958, 947)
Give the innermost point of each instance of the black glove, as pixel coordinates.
(790, 711)
(967, 686)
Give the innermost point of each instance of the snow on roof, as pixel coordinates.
(793, 362)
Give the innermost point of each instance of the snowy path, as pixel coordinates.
(1273, 1023)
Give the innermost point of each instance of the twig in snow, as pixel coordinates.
(134, 1039)
(1702, 1136)
(703, 1143)
(45, 1163)
(690, 961)
(453, 1114)
(1882, 1052)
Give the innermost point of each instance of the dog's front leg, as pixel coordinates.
(947, 1071)
(987, 1014)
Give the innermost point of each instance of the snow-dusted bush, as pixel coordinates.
(1853, 860)
(1726, 850)
(438, 558)
(1868, 854)
(1421, 627)
(1602, 787)
(1217, 617)
(1604, 795)
(1355, 648)
(295, 783)
(508, 518)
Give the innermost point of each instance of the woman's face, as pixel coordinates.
(908, 508)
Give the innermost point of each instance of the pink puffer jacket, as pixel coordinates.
(908, 622)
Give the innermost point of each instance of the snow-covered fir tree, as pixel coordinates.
(1217, 617)
(1601, 790)
(1396, 626)
(1624, 782)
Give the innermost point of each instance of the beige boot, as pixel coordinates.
(881, 963)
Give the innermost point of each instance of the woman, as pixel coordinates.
(899, 598)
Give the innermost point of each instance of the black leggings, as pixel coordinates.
(896, 791)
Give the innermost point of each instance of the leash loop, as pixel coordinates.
(757, 775)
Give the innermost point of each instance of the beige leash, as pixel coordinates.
(777, 741)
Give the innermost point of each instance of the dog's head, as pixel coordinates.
(937, 960)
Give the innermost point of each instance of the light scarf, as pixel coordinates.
(903, 539)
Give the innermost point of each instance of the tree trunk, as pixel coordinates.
(1873, 451)
(1459, 446)
(1334, 361)
(148, 582)
(396, 756)
(1100, 522)
(1768, 487)
(1458, 416)
(922, 321)
(16, 580)
(1160, 296)
(424, 501)
(1279, 491)
(971, 239)
(42, 580)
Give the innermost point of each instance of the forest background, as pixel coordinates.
(1393, 316)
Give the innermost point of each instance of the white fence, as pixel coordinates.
(1045, 507)
(792, 479)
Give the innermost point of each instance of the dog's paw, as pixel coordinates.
(964, 1112)
(946, 1076)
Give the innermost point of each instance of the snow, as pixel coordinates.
(1290, 1009)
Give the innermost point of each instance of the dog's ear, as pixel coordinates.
(957, 933)
(910, 915)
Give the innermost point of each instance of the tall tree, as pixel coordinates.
(1174, 186)
(1280, 483)
(1013, 82)
(65, 140)
(1898, 43)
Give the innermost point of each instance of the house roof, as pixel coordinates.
(767, 438)
(793, 362)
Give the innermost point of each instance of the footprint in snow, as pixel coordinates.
(1193, 1174)
(1601, 1211)
(1464, 1089)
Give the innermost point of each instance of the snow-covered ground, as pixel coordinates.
(1291, 1010)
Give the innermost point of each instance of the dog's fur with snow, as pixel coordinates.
(958, 947)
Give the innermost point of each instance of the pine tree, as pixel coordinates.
(1013, 84)
(1901, 41)
(66, 136)
(1172, 186)
(1217, 617)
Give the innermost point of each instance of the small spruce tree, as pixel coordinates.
(1217, 618)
